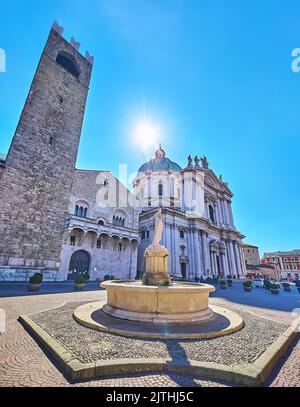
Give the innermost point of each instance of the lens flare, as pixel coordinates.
(146, 134)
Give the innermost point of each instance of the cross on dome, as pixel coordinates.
(160, 153)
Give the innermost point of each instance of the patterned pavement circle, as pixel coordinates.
(24, 363)
(88, 345)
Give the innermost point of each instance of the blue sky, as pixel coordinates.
(216, 76)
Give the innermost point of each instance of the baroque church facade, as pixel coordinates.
(199, 230)
(62, 221)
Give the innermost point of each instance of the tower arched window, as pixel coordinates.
(67, 61)
(76, 210)
(211, 213)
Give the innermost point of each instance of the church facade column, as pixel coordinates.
(244, 271)
(229, 265)
(223, 264)
(216, 213)
(223, 220)
(149, 190)
(174, 251)
(215, 263)
(223, 260)
(205, 252)
(220, 221)
(238, 259)
(232, 258)
(198, 268)
(228, 222)
(226, 262)
(191, 251)
(171, 258)
(211, 268)
(230, 213)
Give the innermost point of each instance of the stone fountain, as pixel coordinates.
(157, 299)
(156, 307)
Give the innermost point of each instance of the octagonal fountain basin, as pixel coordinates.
(178, 303)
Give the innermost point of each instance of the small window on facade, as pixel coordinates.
(105, 182)
(72, 240)
(81, 211)
(99, 243)
(101, 223)
(119, 247)
(181, 234)
(211, 213)
(143, 234)
(147, 234)
(160, 190)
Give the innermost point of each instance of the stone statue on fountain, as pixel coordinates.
(157, 257)
(158, 228)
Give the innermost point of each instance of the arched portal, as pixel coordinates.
(79, 264)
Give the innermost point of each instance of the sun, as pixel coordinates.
(146, 134)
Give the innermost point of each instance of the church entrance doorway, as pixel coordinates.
(79, 264)
(183, 270)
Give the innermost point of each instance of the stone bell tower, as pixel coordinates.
(39, 168)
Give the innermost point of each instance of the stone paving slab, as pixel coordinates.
(245, 357)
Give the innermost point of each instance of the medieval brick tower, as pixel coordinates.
(38, 172)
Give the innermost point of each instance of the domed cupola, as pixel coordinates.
(158, 182)
(159, 163)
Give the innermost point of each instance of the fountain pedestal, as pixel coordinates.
(156, 266)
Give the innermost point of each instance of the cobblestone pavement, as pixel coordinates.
(89, 345)
(24, 363)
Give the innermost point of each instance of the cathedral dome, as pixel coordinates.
(160, 163)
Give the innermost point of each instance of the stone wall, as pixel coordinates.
(36, 183)
(103, 261)
(23, 274)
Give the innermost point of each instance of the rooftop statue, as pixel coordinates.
(196, 159)
(204, 162)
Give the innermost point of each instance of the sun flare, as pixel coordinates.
(146, 134)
